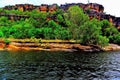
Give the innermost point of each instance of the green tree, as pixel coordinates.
(116, 38)
(91, 33)
(108, 29)
(75, 18)
(1, 34)
(60, 19)
(4, 21)
(76, 15)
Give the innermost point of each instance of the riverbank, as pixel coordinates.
(49, 47)
(52, 45)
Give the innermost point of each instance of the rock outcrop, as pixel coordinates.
(16, 46)
(92, 9)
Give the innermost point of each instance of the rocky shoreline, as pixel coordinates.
(16, 46)
(47, 47)
(112, 47)
(52, 45)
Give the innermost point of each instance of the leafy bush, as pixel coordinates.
(103, 41)
(115, 39)
(1, 34)
(72, 24)
(6, 41)
(90, 32)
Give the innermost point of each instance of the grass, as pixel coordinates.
(38, 40)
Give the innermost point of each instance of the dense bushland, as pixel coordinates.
(73, 24)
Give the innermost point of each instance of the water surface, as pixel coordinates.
(41, 65)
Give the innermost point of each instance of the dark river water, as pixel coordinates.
(41, 65)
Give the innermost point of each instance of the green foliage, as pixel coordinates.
(60, 18)
(72, 24)
(102, 41)
(1, 34)
(115, 39)
(3, 19)
(108, 29)
(90, 32)
(105, 24)
(4, 30)
(55, 31)
(77, 16)
(111, 31)
(74, 18)
(6, 41)
(1, 10)
(48, 33)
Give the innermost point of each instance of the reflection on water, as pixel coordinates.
(39, 65)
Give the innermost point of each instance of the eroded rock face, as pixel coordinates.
(92, 9)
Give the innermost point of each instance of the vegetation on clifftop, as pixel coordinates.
(73, 24)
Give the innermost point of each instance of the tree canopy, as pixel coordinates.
(65, 25)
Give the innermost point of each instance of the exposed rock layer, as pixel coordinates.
(92, 9)
(56, 47)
